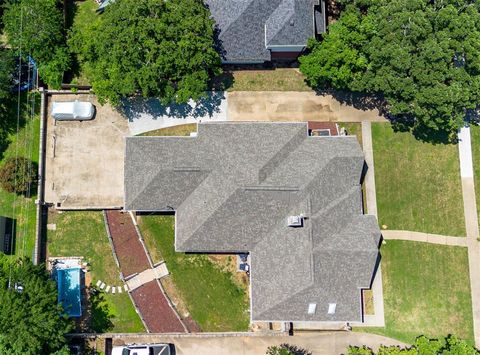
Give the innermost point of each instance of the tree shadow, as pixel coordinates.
(400, 123)
(8, 118)
(97, 312)
(134, 108)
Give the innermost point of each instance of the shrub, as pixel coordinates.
(17, 175)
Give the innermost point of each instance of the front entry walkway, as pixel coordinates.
(378, 318)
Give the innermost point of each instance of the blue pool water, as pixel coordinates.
(68, 285)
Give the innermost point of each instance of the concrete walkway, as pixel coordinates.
(424, 237)
(377, 319)
(471, 224)
(370, 189)
(318, 343)
(294, 106)
(146, 276)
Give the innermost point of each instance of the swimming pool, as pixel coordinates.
(68, 286)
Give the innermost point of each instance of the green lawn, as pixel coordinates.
(418, 184)
(475, 134)
(84, 234)
(215, 302)
(426, 291)
(279, 79)
(18, 207)
(179, 130)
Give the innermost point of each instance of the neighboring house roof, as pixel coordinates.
(248, 27)
(233, 188)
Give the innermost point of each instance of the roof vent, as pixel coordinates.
(331, 308)
(292, 22)
(312, 307)
(295, 221)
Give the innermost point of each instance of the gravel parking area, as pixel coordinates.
(84, 159)
(155, 310)
(130, 252)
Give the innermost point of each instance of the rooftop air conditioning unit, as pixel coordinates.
(295, 221)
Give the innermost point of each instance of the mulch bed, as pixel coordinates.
(191, 325)
(129, 250)
(156, 312)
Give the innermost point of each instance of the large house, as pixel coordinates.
(255, 31)
(290, 200)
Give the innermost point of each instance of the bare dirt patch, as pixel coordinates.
(84, 159)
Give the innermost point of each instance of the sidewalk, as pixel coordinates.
(471, 224)
(424, 237)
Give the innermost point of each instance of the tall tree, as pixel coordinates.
(154, 48)
(31, 321)
(35, 28)
(7, 70)
(422, 56)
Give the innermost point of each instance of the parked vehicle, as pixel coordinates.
(145, 349)
(73, 110)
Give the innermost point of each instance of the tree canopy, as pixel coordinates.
(421, 56)
(31, 321)
(35, 28)
(7, 70)
(155, 48)
(446, 346)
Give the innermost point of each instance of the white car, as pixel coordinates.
(146, 349)
(73, 110)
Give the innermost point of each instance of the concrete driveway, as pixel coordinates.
(296, 106)
(84, 160)
(147, 115)
(318, 343)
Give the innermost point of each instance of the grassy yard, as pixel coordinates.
(18, 207)
(418, 184)
(279, 79)
(426, 291)
(84, 234)
(213, 299)
(180, 130)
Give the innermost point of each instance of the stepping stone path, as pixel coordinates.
(113, 289)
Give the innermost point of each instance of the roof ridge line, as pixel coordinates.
(288, 148)
(209, 215)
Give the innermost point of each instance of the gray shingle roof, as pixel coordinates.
(246, 27)
(233, 187)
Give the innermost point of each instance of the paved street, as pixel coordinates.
(318, 343)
